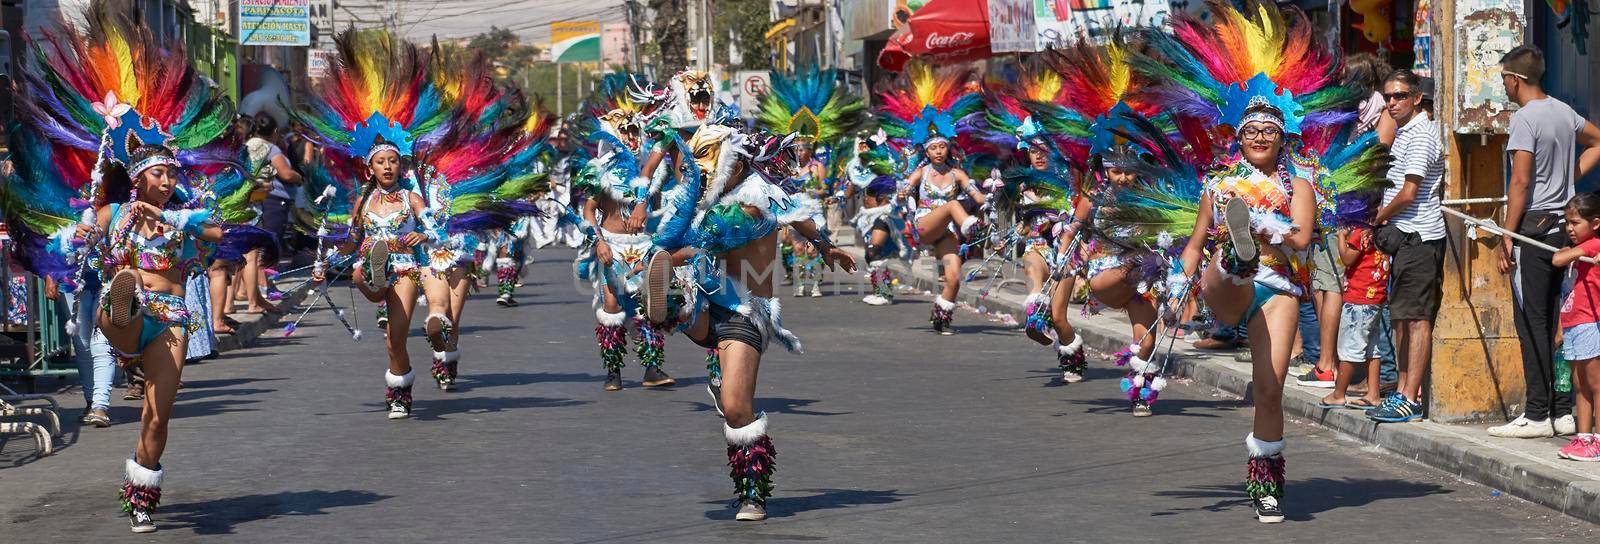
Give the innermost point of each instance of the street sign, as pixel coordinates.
(318, 62)
(575, 41)
(275, 22)
(322, 21)
(750, 85)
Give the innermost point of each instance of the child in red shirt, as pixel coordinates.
(1580, 320)
(1361, 331)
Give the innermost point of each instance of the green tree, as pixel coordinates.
(747, 21)
(504, 48)
(671, 28)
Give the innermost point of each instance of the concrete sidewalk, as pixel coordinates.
(1525, 468)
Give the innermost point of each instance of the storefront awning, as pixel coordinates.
(944, 31)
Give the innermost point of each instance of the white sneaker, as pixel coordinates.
(875, 300)
(1522, 427)
(1071, 377)
(1565, 425)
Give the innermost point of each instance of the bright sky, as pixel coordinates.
(421, 19)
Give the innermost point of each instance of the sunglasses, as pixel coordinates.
(1391, 97)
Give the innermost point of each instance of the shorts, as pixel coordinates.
(1417, 279)
(1581, 342)
(728, 325)
(1324, 275)
(1361, 333)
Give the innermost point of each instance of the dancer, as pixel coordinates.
(1264, 200)
(815, 112)
(618, 210)
(880, 220)
(920, 117)
(378, 110)
(726, 230)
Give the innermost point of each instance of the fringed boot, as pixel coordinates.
(943, 313)
(752, 460)
(398, 395)
(141, 492)
(505, 272)
(1144, 383)
(651, 346)
(1036, 318)
(1072, 360)
(444, 368)
(1263, 479)
(612, 336)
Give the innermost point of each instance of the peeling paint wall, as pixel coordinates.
(1485, 31)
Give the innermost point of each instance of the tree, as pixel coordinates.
(671, 34)
(504, 48)
(748, 21)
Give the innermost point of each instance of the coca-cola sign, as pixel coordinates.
(948, 41)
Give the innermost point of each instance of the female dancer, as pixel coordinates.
(922, 116)
(370, 116)
(726, 230)
(1261, 202)
(139, 227)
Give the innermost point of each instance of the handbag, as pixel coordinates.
(1390, 239)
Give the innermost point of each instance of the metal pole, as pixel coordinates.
(561, 108)
(1469, 201)
(1489, 225)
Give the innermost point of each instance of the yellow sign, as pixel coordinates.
(575, 41)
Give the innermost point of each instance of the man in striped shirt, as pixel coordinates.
(1412, 232)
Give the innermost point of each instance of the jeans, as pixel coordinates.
(97, 369)
(1388, 369)
(1310, 334)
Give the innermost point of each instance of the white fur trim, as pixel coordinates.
(943, 304)
(452, 356)
(1071, 347)
(1033, 299)
(1159, 383)
(504, 262)
(727, 157)
(137, 475)
(1262, 448)
(767, 314)
(1140, 365)
(748, 434)
(399, 381)
(609, 319)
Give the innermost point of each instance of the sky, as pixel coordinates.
(419, 20)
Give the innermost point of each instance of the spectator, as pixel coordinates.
(96, 368)
(1580, 320)
(1365, 72)
(1412, 233)
(1363, 337)
(1545, 135)
(274, 215)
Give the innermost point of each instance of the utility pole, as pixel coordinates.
(633, 33)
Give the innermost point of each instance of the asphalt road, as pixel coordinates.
(885, 433)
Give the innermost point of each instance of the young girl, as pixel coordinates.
(1580, 320)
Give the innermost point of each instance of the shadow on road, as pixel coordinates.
(776, 405)
(1310, 497)
(479, 381)
(221, 516)
(430, 409)
(821, 499)
(1163, 407)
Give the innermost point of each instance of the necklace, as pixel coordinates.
(391, 196)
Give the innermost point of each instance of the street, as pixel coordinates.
(885, 432)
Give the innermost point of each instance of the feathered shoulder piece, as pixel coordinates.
(1161, 205)
(91, 96)
(810, 105)
(378, 91)
(1215, 70)
(925, 103)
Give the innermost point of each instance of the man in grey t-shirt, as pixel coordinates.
(1546, 136)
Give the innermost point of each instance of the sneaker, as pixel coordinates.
(398, 411)
(504, 300)
(653, 292)
(816, 292)
(1236, 214)
(437, 336)
(378, 264)
(139, 521)
(655, 377)
(751, 511)
(1142, 409)
(715, 390)
(875, 300)
(1316, 378)
(614, 380)
(1069, 376)
(1243, 357)
(1268, 510)
(1582, 448)
(124, 296)
(1522, 427)
(1396, 409)
(1566, 426)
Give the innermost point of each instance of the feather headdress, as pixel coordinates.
(1099, 96)
(378, 91)
(89, 98)
(480, 175)
(927, 103)
(811, 106)
(1215, 70)
(1008, 125)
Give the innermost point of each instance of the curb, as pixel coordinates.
(1443, 447)
(252, 327)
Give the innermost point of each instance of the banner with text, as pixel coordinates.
(275, 22)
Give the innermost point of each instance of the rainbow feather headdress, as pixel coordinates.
(1099, 101)
(481, 174)
(1008, 124)
(378, 92)
(811, 106)
(89, 98)
(1214, 71)
(928, 104)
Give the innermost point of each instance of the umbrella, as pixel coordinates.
(945, 31)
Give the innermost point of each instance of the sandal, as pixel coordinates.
(1325, 405)
(1359, 403)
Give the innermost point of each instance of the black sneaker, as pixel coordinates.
(657, 280)
(614, 380)
(1268, 510)
(655, 377)
(714, 388)
(139, 521)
